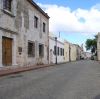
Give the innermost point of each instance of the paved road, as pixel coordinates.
(76, 80)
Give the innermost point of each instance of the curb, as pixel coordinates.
(21, 69)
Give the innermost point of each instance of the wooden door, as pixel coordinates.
(6, 51)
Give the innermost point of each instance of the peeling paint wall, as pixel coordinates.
(20, 24)
(22, 8)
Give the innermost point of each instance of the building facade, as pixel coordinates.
(73, 52)
(66, 51)
(24, 29)
(88, 55)
(79, 51)
(98, 47)
(56, 50)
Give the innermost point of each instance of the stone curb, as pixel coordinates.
(9, 71)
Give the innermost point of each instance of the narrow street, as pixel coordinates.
(75, 80)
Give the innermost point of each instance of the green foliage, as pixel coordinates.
(91, 44)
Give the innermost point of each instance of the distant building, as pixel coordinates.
(66, 51)
(98, 47)
(73, 52)
(56, 50)
(79, 51)
(24, 29)
(88, 55)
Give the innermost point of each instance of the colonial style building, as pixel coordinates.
(24, 29)
(56, 50)
(98, 47)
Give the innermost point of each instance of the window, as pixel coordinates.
(35, 22)
(54, 50)
(63, 52)
(58, 50)
(31, 49)
(41, 50)
(44, 27)
(7, 4)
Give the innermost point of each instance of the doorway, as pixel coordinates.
(6, 51)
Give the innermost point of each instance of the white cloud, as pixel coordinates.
(63, 19)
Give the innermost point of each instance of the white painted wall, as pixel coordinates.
(52, 57)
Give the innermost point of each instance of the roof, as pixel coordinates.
(38, 8)
(59, 41)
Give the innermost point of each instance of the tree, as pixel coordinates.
(91, 44)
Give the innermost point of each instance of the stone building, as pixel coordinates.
(24, 29)
(98, 47)
(56, 50)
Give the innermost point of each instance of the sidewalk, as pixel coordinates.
(13, 70)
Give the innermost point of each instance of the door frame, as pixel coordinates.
(7, 64)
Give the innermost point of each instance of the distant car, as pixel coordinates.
(92, 57)
(82, 58)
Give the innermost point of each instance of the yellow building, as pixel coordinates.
(73, 52)
(66, 51)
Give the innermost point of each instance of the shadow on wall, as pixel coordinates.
(97, 97)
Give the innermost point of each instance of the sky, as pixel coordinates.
(76, 20)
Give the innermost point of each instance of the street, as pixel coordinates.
(75, 80)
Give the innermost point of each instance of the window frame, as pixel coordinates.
(61, 51)
(55, 52)
(35, 21)
(32, 53)
(44, 27)
(7, 5)
(41, 51)
(58, 50)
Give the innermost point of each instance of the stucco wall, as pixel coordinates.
(73, 52)
(66, 51)
(20, 25)
(52, 57)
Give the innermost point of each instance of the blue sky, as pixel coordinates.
(76, 20)
(73, 4)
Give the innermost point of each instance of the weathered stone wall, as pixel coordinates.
(20, 23)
